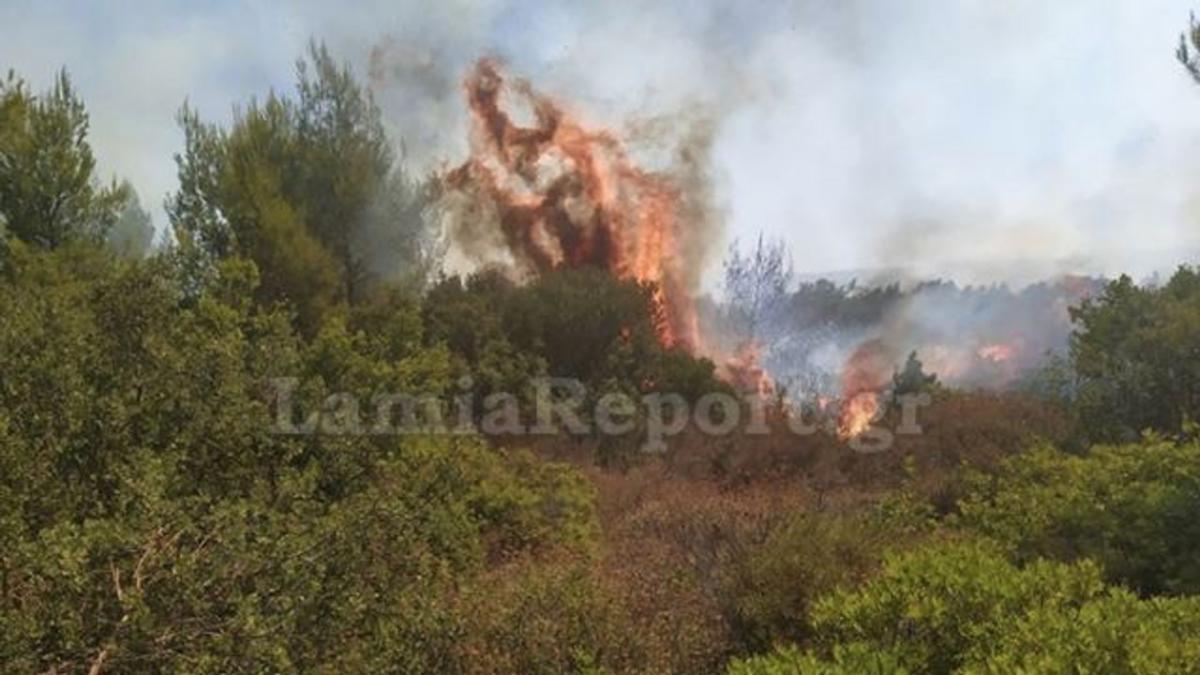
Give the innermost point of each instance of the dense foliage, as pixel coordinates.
(1135, 358)
(961, 607)
(1132, 509)
(309, 189)
(150, 519)
(49, 194)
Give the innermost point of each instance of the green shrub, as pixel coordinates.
(962, 607)
(547, 619)
(151, 521)
(854, 659)
(772, 587)
(1131, 508)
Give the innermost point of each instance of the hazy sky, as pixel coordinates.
(935, 135)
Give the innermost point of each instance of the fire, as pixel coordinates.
(947, 362)
(857, 413)
(997, 353)
(863, 377)
(568, 195)
(745, 372)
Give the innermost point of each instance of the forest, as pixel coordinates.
(1043, 519)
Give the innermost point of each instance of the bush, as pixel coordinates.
(1131, 508)
(772, 588)
(940, 608)
(854, 659)
(151, 521)
(962, 607)
(548, 619)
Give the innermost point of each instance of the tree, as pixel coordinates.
(309, 188)
(756, 286)
(912, 378)
(1134, 352)
(49, 194)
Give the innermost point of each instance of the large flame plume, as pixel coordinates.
(564, 194)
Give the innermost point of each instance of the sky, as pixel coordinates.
(976, 139)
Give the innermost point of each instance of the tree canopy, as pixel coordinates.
(310, 188)
(49, 193)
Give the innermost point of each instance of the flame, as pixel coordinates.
(857, 413)
(997, 353)
(568, 195)
(745, 372)
(863, 377)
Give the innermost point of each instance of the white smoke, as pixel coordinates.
(983, 139)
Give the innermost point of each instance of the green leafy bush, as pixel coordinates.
(962, 607)
(771, 588)
(1131, 508)
(853, 659)
(151, 521)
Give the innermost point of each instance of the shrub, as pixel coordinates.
(962, 607)
(1131, 508)
(854, 659)
(772, 588)
(560, 617)
(151, 521)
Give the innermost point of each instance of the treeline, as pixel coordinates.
(808, 329)
(151, 521)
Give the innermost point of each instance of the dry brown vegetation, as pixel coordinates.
(717, 548)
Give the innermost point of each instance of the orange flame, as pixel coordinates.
(857, 413)
(863, 377)
(569, 195)
(745, 372)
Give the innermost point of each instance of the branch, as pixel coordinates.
(98, 663)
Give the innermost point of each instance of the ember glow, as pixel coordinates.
(567, 194)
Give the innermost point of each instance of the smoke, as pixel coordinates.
(823, 338)
(970, 141)
(401, 73)
(988, 336)
(978, 140)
